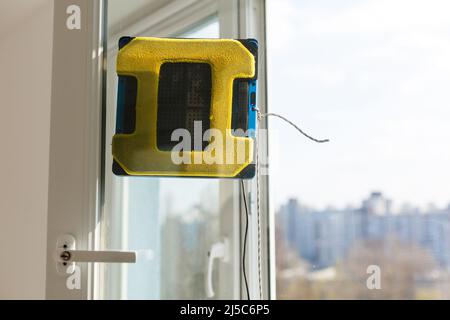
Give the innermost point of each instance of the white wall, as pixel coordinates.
(25, 88)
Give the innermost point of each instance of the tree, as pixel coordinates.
(401, 264)
(405, 271)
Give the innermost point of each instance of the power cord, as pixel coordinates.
(244, 195)
(260, 115)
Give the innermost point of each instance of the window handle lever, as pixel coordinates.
(97, 256)
(219, 250)
(66, 255)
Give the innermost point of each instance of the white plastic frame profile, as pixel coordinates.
(75, 139)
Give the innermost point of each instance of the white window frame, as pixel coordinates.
(77, 121)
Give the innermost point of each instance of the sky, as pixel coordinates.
(374, 77)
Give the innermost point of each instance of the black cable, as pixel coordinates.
(245, 239)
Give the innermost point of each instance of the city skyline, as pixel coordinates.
(396, 207)
(324, 237)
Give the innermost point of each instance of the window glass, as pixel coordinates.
(170, 222)
(365, 216)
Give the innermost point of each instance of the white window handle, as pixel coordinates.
(219, 250)
(66, 255)
(97, 256)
